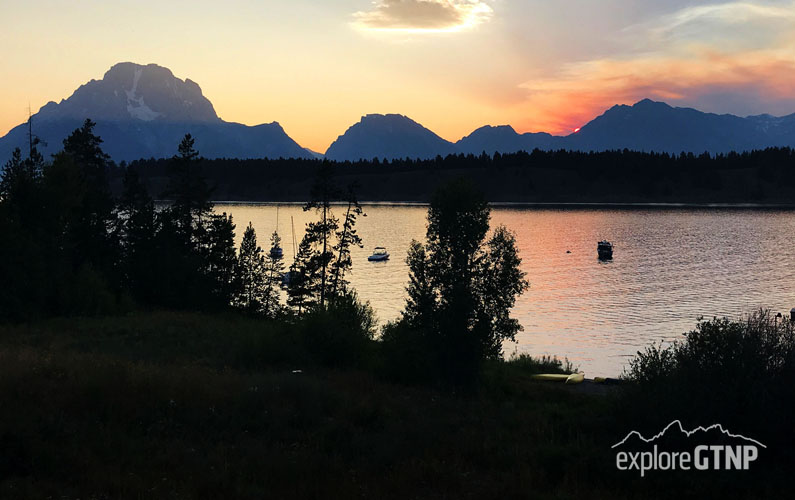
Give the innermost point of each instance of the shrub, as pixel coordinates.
(737, 373)
(339, 333)
(544, 364)
(406, 353)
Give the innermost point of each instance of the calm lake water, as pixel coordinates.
(670, 266)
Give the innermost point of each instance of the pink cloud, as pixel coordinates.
(562, 102)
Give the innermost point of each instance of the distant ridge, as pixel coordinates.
(645, 126)
(504, 139)
(388, 136)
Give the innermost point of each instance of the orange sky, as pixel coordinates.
(452, 65)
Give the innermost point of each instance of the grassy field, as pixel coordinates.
(179, 405)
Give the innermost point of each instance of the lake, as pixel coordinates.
(670, 267)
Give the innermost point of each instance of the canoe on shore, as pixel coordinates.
(574, 378)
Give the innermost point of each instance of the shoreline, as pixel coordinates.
(541, 204)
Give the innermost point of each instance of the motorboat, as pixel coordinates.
(605, 250)
(379, 254)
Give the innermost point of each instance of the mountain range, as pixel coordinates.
(143, 112)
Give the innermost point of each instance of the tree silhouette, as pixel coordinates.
(250, 274)
(274, 268)
(302, 278)
(461, 285)
(137, 234)
(346, 237)
(189, 191)
(323, 192)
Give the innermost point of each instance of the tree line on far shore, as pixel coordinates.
(764, 176)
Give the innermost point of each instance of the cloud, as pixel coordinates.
(423, 16)
(684, 58)
(581, 91)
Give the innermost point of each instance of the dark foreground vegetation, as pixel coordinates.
(187, 405)
(143, 356)
(762, 177)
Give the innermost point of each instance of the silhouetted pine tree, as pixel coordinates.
(92, 218)
(346, 238)
(303, 278)
(24, 253)
(189, 192)
(250, 274)
(323, 192)
(137, 233)
(217, 248)
(274, 268)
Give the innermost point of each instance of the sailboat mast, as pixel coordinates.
(292, 224)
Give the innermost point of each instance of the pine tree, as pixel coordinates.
(323, 192)
(137, 233)
(346, 238)
(91, 217)
(217, 248)
(250, 275)
(274, 268)
(189, 193)
(303, 278)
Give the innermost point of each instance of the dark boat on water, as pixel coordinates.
(605, 250)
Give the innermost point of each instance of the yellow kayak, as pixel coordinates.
(550, 377)
(574, 378)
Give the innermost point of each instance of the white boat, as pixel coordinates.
(379, 254)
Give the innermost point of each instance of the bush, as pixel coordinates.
(738, 373)
(406, 354)
(341, 333)
(544, 364)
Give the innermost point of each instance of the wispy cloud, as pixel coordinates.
(728, 26)
(423, 16)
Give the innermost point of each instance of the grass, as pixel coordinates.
(180, 405)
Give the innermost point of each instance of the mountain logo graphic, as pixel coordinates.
(678, 424)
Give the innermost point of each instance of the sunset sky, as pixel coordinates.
(453, 65)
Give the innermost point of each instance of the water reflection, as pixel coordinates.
(670, 266)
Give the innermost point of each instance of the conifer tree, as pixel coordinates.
(217, 249)
(274, 268)
(137, 232)
(189, 192)
(302, 278)
(346, 238)
(250, 274)
(323, 192)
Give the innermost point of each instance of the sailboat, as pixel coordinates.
(276, 251)
(287, 277)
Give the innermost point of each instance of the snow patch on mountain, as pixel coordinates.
(136, 105)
